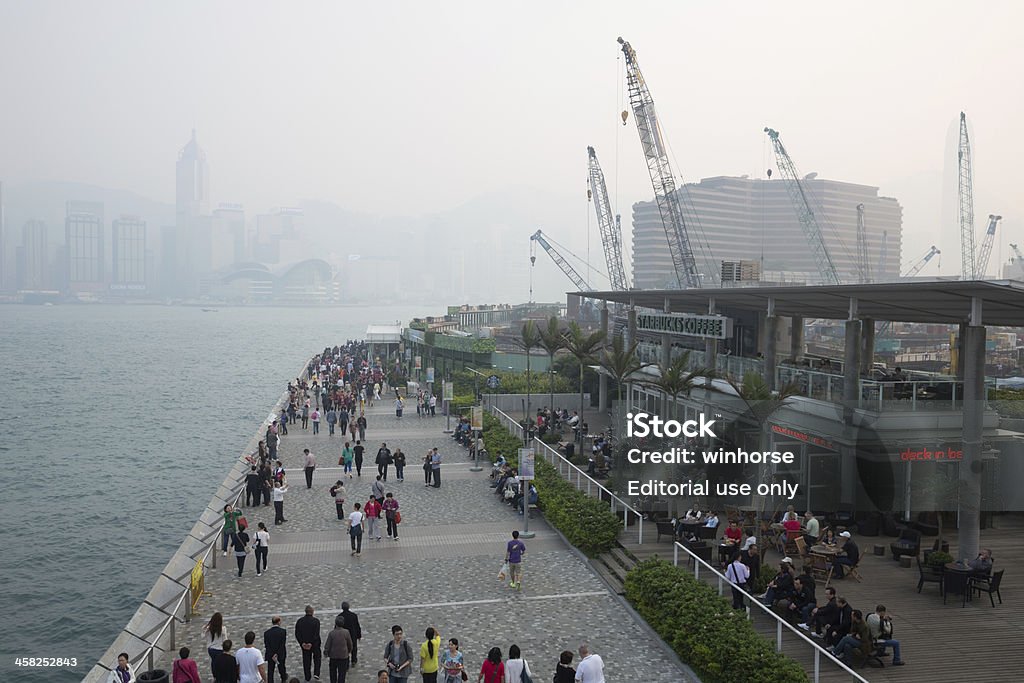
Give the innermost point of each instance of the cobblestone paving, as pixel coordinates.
(443, 571)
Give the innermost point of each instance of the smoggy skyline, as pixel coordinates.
(413, 109)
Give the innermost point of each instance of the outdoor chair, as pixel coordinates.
(927, 574)
(665, 528)
(801, 546)
(988, 585)
(909, 543)
(708, 533)
(853, 573)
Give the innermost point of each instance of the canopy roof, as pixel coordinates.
(935, 301)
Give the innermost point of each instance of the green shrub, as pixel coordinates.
(586, 522)
(1007, 402)
(719, 643)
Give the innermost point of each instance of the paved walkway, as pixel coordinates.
(443, 571)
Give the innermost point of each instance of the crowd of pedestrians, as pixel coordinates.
(397, 660)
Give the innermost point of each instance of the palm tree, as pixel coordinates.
(582, 346)
(675, 379)
(619, 362)
(528, 339)
(552, 341)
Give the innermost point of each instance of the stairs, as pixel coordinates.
(613, 566)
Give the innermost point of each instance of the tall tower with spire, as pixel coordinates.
(186, 248)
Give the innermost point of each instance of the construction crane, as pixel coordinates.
(922, 262)
(1016, 252)
(804, 211)
(884, 253)
(862, 247)
(966, 195)
(683, 260)
(986, 245)
(560, 261)
(611, 231)
(886, 327)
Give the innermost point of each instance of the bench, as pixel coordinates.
(665, 528)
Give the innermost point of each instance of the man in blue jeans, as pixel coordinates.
(880, 626)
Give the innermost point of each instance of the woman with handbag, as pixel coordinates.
(390, 506)
(241, 547)
(493, 669)
(516, 668)
(454, 669)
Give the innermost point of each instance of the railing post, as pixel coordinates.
(625, 519)
(719, 586)
(778, 636)
(588, 487)
(913, 396)
(696, 570)
(641, 541)
(817, 664)
(213, 554)
(149, 657)
(173, 646)
(188, 606)
(675, 555)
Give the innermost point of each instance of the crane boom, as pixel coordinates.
(862, 247)
(916, 268)
(611, 232)
(805, 213)
(885, 252)
(1016, 252)
(986, 245)
(966, 196)
(566, 267)
(683, 260)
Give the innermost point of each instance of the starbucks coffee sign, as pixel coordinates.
(708, 326)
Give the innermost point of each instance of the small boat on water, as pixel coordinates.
(210, 310)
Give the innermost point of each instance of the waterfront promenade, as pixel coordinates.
(442, 573)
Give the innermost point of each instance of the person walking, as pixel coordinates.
(307, 633)
(426, 467)
(332, 420)
(516, 666)
(435, 468)
(215, 633)
(353, 428)
(261, 548)
(337, 649)
(231, 516)
(514, 551)
(338, 491)
(185, 670)
(378, 489)
(738, 573)
(351, 622)
(564, 673)
(252, 487)
(591, 668)
(305, 416)
(398, 656)
(399, 406)
(391, 514)
(355, 529)
(361, 424)
(252, 668)
(452, 662)
(241, 548)
(343, 420)
(372, 512)
(225, 668)
(314, 417)
(308, 466)
(430, 650)
(358, 451)
(275, 641)
(383, 459)
(278, 495)
(347, 458)
(493, 669)
(283, 422)
(399, 464)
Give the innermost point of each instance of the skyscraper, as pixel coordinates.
(191, 238)
(33, 254)
(128, 272)
(83, 233)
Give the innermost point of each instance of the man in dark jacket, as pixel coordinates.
(383, 459)
(852, 555)
(338, 648)
(825, 615)
(841, 626)
(274, 639)
(307, 632)
(351, 623)
(225, 666)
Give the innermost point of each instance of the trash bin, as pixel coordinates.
(154, 676)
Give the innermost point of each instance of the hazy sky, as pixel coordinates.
(416, 107)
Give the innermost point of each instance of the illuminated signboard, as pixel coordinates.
(926, 454)
(802, 436)
(707, 326)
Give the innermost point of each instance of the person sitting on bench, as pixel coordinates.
(880, 626)
(859, 638)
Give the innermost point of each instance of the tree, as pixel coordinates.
(674, 379)
(620, 362)
(552, 340)
(582, 347)
(529, 338)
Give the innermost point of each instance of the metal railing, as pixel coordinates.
(566, 470)
(755, 603)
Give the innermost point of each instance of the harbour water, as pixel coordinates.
(117, 425)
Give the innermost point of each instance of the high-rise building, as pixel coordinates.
(278, 236)
(228, 235)
(128, 239)
(191, 239)
(83, 233)
(33, 255)
(744, 219)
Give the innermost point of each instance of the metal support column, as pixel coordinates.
(796, 338)
(972, 466)
(867, 354)
(602, 387)
(771, 326)
(851, 358)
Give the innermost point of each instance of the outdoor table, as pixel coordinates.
(956, 580)
(826, 550)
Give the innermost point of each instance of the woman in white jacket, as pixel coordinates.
(515, 665)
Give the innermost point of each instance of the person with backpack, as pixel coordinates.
(240, 544)
(398, 656)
